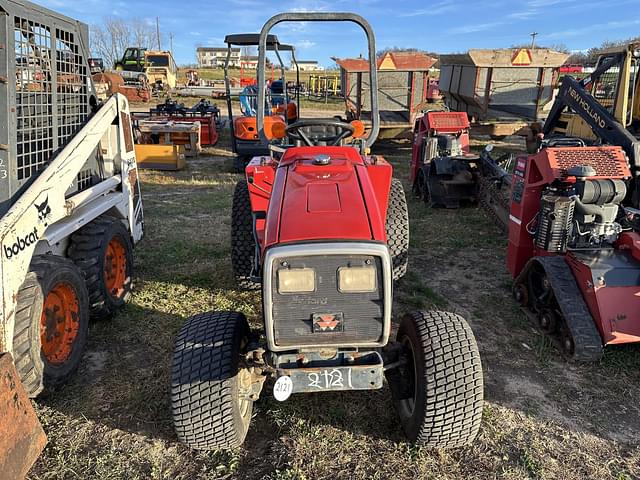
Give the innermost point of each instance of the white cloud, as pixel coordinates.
(305, 44)
(475, 27)
(439, 8)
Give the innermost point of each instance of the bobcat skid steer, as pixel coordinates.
(70, 206)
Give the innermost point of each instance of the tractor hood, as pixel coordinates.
(325, 193)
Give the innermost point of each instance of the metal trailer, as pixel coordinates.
(70, 206)
(403, 83)
(504, 91)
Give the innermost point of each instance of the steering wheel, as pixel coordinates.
(295, 130)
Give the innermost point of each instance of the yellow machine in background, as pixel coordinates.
(161, 69)
(615, 89)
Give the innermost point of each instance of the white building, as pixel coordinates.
(249, 62)
(214, 57)
(307, 66)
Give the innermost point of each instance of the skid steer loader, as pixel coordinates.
(70, 206)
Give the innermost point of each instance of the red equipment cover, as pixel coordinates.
(345, 200)
(448, 122)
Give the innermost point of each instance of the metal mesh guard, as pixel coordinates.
(608, 162)
(448, 120)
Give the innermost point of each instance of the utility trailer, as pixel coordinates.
(70, 205)
(403, 90)
(504, 91)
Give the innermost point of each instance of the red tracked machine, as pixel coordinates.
(574, 250)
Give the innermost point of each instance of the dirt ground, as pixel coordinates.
(543, 418)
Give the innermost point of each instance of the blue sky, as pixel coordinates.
(442, 25)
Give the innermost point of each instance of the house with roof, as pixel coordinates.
(307, 66)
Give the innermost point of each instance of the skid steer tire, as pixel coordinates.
(397, 227)
(51, 323)
(103, 251)
(438, 393)
(243, 244)
(208, 412)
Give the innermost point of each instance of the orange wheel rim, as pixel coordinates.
(115, 268)
(59, 323)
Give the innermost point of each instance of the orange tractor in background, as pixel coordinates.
(245, 139)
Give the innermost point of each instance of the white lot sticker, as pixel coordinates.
(283, 388)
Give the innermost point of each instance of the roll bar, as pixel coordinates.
(319, 17)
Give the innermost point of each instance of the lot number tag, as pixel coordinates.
(283, 388)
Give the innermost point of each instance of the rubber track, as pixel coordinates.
(205, 363)
(453, 377)
(242, 241)
(397, 227)
(578, 319)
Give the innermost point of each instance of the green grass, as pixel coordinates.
(543, 418)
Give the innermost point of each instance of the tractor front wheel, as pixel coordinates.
(51, 323)
(438, 390)
(209, 388)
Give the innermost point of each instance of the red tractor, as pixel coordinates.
(574, 249)
(321, 228)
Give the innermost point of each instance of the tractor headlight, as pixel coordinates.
(296, 280)
(357, 279)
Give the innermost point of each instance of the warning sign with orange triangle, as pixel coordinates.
(387, 63)
(521, 58)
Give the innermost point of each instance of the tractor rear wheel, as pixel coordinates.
(240, 162)
(103, 251)
(397, 226)
(210, 410)
(438, 392)
(419, 184)
(51, 323)
(243, 244)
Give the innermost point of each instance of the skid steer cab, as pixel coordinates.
(320, 227)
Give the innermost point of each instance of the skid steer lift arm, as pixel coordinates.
(573, 95)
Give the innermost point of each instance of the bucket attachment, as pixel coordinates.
(22, 438)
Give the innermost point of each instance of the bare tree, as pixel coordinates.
(110, 39)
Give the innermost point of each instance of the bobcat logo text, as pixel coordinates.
(20, 244)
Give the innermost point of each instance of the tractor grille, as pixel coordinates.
(608, 162)
(362, 313)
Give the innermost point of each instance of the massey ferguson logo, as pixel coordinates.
(20, 244)
(327, 322)
(299, 300)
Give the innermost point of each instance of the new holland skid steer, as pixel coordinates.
(321, 228)
(70, 206)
